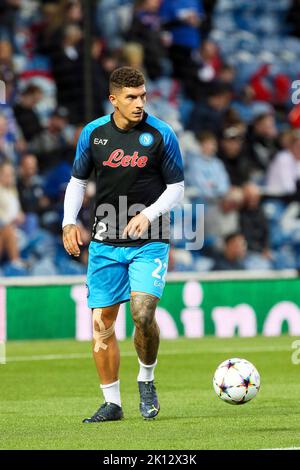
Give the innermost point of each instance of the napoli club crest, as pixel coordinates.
(146, 139)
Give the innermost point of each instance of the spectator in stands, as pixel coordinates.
(262, 144)
(7, 96)
(132, 54)
(205, 173)
(234, 253)
(113, 18)
(6, 60)
(49, 33)
(146, 30)
(55, 16)
(72, 11)
(208, 182)
(237, 164)
(227, 74)
(99, 79)
(205, 67)
(8, 142)
(254, 224)
(233, 155)
(247, 107)
(52, 145)
(210, 56)
(11, 215)
(285, 138)
(26, 116)
(183, 19)
(209, 116)
(8, 12)
(283, 174)
(68, 73)
(30, 186)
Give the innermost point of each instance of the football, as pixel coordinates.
(236, 381)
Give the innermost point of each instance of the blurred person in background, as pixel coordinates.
(8, 13)
(209, 116)
(72, 11)
(237, 164)
(56, 15)
(52, 145)
(113, 20)
(285, 138)
(6, 107)
(227, 74)
(246, 105)
(30, 187)
(283, 174)
(205, 67)
(234, 253)
(25, 114)
(49, 30)
(68, 73)
(232, 153)
(183, 19)
(132, 55)
(262, 144)
(205, 172)
(146, 30)
(7, 69)
(11, 215)
(208, 182)
(99, 78)
(254, 226)
(8, 142)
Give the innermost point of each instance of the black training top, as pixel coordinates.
(132, 170)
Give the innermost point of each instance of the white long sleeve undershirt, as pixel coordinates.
(73, 200)
(172, 196)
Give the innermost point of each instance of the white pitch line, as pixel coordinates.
(283, 448)
(55, 357)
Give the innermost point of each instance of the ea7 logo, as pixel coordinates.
(100, 141)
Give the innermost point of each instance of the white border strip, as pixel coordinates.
(171, 277)
(283, 448)
(57, 357)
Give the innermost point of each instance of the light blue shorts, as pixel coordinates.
(114, 272)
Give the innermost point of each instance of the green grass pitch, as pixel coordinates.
(48, 387)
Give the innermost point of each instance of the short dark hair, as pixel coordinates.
(203, 136)
(260, 117)
(126, 77)
(230, 236)
(219, 89)
(30, 89)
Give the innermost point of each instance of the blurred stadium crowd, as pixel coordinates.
(219, 71)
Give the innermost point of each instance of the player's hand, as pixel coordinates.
(71, 239)
(136, 226)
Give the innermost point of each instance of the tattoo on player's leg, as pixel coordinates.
(146, 337)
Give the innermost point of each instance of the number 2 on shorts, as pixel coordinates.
(157, 270)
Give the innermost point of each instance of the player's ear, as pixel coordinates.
(113, 99)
